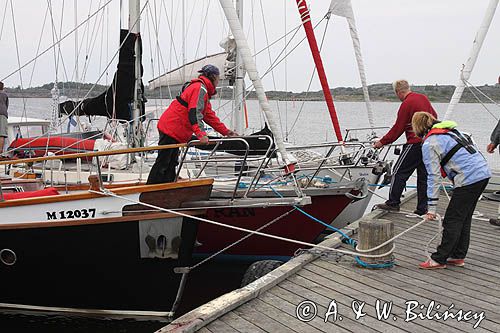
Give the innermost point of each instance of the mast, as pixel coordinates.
(183, 22)
(251, 68)
(77, 76)
(471, 61)
(134, 27)
(311, 38)
(239, 84)
(343, 8)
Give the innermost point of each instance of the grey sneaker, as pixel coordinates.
(387, 207)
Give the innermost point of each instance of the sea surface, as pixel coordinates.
(299, 123)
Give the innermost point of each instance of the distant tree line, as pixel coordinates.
(378, 92)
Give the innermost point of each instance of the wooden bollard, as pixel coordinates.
(372, 233)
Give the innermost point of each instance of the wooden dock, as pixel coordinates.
(333, 294)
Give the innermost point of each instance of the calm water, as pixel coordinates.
(308, 122)
(301, 123)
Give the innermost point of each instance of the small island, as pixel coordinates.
(378, 92)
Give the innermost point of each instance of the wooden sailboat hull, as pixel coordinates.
(326, 205)
(91, 267)
(122, 257)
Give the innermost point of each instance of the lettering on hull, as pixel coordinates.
(72, 214)
(234, 212)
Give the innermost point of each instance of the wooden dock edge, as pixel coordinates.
(205, 314)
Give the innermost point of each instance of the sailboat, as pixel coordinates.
(94, 248)
(254, 208)
(73, 249)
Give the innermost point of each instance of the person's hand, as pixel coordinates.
(377, 144)
(430, 216)
(491, 148)
(204, 140)
(232, 134)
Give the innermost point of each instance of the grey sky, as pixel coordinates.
(424, 41)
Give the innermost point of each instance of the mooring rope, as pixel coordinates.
(364, 252)
(106, 192)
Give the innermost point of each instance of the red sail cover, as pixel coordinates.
(58, 145)
(32, 194)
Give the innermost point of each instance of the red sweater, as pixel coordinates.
(180, 122)
(412, 103)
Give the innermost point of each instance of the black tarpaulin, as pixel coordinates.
(115, 102)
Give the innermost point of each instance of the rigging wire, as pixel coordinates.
(471, 88)
(286, 80)
(201, 34)
(92, 42)
(39, 44)
(275, 63)
(90, 90)
(269, 56)
(18, 56)
(21, 67)
(311, 79)
(3, 18)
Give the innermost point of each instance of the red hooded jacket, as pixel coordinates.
(186, 114)
(412, 103)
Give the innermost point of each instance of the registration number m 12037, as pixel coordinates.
(72, 214)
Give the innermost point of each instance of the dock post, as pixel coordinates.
(373, 233)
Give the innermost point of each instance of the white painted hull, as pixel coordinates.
(93, 208)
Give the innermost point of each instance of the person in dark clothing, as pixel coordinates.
(411, 155)
(494, 142)
(4, 106)
(182, 118)
(449, 153)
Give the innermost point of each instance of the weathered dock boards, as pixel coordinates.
(332, 294)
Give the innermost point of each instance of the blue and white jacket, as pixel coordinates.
(462, 169)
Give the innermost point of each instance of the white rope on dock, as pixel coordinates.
(107, 192)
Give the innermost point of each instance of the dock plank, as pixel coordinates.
(340, 281)
(318, 322)
(220, 326)
(240, 324)
(262, 320)
(385, 289)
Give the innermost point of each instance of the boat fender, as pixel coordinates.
(258, 269)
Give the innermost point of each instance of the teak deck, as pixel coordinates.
(270, 304)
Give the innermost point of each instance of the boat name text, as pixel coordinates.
(83, 213)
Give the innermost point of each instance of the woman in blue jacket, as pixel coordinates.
(446, 152)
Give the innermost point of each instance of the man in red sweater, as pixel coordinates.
(411, 155)
(183, 117)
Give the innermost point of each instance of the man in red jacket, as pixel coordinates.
(411, 155)
(183, 117)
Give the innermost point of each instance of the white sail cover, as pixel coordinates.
(471, 61)
(176, 78)
(343, 8)
(251, 68)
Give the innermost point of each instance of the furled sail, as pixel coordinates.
(251, 68)
(115, 102)
(178, 76)
(471, 61)
(343, 8)
(225, 61)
